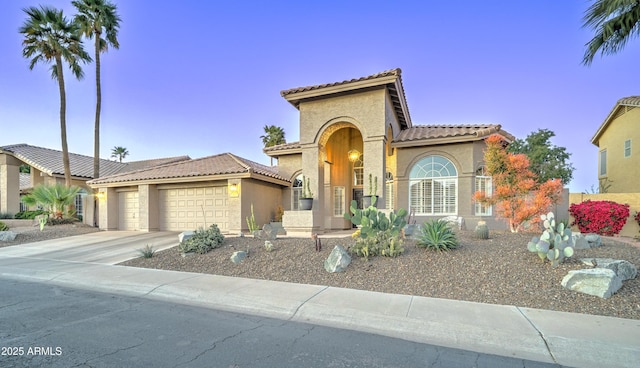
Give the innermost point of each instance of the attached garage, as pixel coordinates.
(128, 211)
(190, 208)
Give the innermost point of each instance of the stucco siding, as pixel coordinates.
(622, 172)
(265, 198)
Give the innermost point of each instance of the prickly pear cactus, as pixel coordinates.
(482, 230)
(555, 243)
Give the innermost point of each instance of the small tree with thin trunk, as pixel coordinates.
(119, 152)
(517, 197)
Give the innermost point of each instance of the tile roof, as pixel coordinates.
(25, 181)
(425, 132)
(632, 101)
(386, 73)
(283, 147)
(391, 79)
(50, 161)
(221, 164)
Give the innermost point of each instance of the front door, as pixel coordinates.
(357, 196)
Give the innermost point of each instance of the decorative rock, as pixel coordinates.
(600, 282)
(338, 260)
(270, 232)
(456, 221)
(594, 240)
(268, 246)
(185, 235)
(579, 241)
(7, 235)
(624, 269)
(238, 256)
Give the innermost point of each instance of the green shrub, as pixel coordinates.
(383, 243)
(147, 251)
(29, 215)
(3, 226)
(202, 241)
(6, 215)
(437, 235)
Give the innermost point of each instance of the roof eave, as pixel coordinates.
(283, 152)
(436, 141)
(295, 98)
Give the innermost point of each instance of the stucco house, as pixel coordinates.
(46, 168)
(618, 166)
(349, 131)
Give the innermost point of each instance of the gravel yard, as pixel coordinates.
(499, 270)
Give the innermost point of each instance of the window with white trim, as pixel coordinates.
(433, 187)
(358, 172)
(603, 162)
(79, 203)
(388, 192)
(483, 184)
(296, 193)
(627, 148)
(338, 201)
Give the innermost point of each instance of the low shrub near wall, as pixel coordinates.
(600, 217)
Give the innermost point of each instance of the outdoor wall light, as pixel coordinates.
(234, 191)
(353, 155)
(101, 196)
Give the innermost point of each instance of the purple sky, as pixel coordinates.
(203, 77)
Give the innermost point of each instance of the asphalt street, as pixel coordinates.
(43, 325)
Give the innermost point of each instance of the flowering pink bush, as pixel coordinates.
(600, 217)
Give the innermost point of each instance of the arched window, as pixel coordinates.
(433, 187)
(296, 192)
(483, 184)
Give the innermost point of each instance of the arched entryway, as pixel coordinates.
(344, 179)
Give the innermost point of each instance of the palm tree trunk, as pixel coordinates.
(63, 123)
(96, 132)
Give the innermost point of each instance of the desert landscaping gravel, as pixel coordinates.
(499, 270)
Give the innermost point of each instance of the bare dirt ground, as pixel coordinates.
(499, 270)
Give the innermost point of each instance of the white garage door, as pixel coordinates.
(128, 210)
(185, 209)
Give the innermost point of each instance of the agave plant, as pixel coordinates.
(437, 235)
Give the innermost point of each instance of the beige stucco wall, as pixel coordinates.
(9, 184)
(265, 198)
(631, 227)
(622, 172)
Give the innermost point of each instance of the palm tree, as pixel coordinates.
(55, 198)
(614, 23)
(119, 153)
(49, 37)
(95, 18)
(273, 135)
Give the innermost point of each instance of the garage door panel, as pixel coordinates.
(182, 209)
(128, 211)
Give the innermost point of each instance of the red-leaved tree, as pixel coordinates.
(516, 196)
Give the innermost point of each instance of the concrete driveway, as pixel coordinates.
(104, 247)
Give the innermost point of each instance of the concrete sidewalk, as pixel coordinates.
(567, 339)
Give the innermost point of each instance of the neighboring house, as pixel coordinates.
(47, 168)
(618, 164)
(348, 131)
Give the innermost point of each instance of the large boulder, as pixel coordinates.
(185, 235)
(238, 256)
(624, 269)
(338, 260)
(586, 241)
(601, 282)
(7, 235)
(456, 222)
